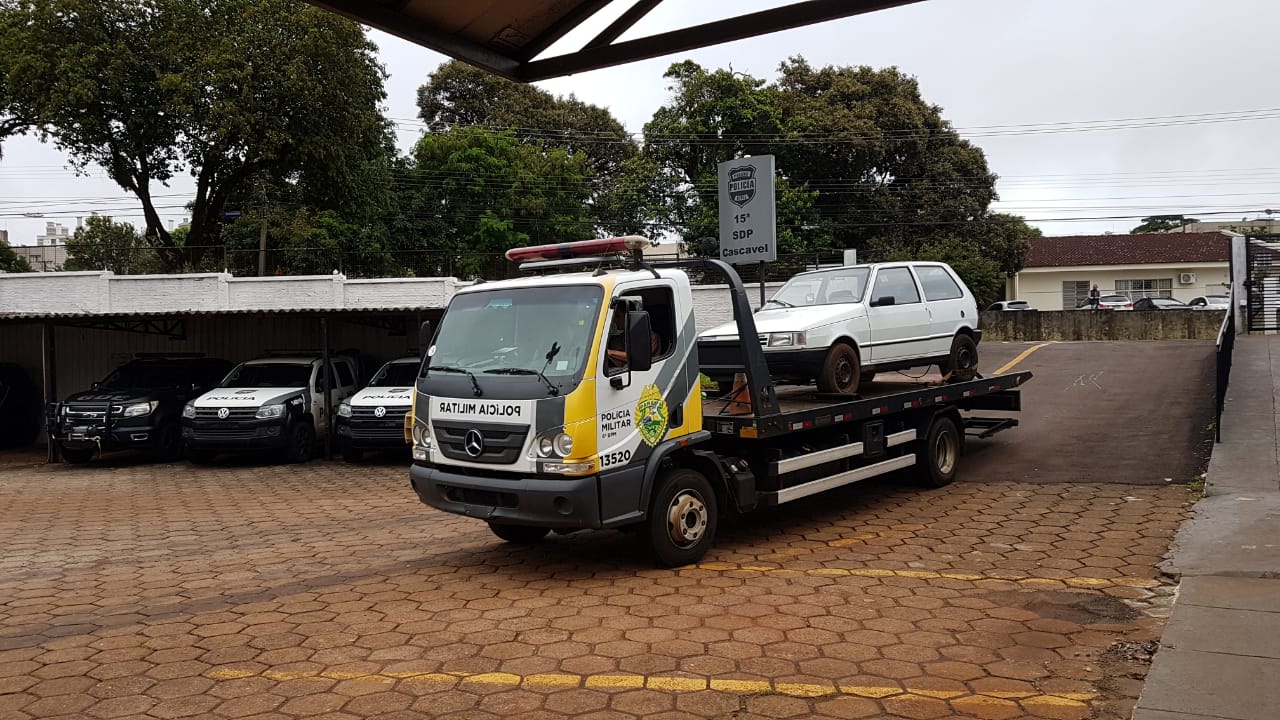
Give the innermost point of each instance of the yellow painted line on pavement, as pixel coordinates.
(1076, 582)
(675, 684)
(1023, 356)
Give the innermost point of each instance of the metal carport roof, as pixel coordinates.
(505, 36)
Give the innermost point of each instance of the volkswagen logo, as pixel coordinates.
(224, 413)
(474, 443)
(379, 412)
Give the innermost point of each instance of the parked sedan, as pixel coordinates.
(1110, 302)
(839, 327)
(1210, 302)
(1009, 305)
(1159, 303)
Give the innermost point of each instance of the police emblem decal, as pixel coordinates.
(742, 184)
(651, 415)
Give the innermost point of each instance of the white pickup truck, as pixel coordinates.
(373, 419)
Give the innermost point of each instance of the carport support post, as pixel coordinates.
(49, 369)
(328, 388)
(762, 284)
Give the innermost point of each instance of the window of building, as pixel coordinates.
(1074, 294)
(1135, 289)
(937, 283)
(898, 284)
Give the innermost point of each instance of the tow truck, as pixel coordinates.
(573, 401)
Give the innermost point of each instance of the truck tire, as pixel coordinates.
(842, 370)
(200, 456)
(962, 362)
(939, 457)
(77, 456)
(352, 454)
(683, 519)
(302, 440)
(519, 534)
(168, 446)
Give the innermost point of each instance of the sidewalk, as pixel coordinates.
(1220, 654)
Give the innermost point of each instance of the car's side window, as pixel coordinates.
(937, 283)
(898, 284)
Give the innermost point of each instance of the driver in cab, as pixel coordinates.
(616, 347)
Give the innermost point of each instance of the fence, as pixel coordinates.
(1226, 346)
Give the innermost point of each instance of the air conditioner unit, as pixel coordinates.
(1186, 278)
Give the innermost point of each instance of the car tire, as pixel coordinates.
(939, 457)
(841, 371)
(200, 456)
(519, 534)
(77, 456)
(682, 520)
(352, 454)
(169, 445)
(301, 443)
(962, 361)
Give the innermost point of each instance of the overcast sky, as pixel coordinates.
(1036, 68)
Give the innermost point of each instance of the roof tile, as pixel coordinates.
(1143, 249)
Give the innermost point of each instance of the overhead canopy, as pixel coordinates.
(504, 36)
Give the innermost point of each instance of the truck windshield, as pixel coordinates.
(545, 329)
(395, 375)
(845, 285)
(269, 375)
(148, 375)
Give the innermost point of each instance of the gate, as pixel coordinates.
(1263, 284)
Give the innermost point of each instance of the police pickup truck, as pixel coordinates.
(273, 403)
(373, 419)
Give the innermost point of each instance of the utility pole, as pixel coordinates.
(262, 236)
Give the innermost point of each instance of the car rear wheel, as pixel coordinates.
(841, 371)
(962, 362)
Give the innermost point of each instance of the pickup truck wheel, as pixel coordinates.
(201, 456)
(169, 445)
(939, 457)
(519, 534)
(841, 371)
(962, 363)
(77, 456)
(682, 522)
(352, 454)
(302, 440)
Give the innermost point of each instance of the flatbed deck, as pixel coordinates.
(801, 408)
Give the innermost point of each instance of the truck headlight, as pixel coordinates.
(189, 410)
(553, 444)
(344, 410)
(269, 412)
(139, 409)
(787, 339)
(421, 436)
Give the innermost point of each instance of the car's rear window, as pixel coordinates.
(1019, 305)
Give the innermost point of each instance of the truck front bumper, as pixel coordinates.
(543, 501)
(232, 435)
(136, 437)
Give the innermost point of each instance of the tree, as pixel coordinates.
(472, 191)
(11, 261)
(1162, 223)
(227, 90)
(103, 244)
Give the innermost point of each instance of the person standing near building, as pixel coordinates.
(1094, 297)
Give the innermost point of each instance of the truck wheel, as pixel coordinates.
(168, 446)
(841, 371)
(302, 440)
(77, 456)
(200, 456)
(682, 522)
(519, 534)
(962, 363)
(352, 454)
(939, 456)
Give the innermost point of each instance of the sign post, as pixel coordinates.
(748, 213)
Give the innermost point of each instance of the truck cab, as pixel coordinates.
(273, 403)
(373, 419)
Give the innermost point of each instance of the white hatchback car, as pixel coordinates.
(840, 327)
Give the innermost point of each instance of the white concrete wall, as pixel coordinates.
(1042, 287)
(712, 305)
(399, 292)
(52, 292)
(162, 293)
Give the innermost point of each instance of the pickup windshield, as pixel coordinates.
(149, 375)
(400, 374)
(544, 329)
(844, 285)
(269, 375)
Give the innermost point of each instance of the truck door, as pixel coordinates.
(636, 407)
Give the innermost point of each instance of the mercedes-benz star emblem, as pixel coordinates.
(379, 412)
(474, 443)
(224, 413)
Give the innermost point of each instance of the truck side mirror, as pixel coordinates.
(425, 333)
(883, 301)
(639, 341)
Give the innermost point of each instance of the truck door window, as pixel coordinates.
(659, 302)
(345, 378)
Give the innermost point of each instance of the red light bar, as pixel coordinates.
(584, 248)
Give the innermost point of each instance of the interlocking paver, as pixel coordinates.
(318, 592)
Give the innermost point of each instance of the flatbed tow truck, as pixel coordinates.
(571, 401)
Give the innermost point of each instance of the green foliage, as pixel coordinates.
(1162, 223)
(103, 244)
(472, 191)
(10, 261)
(226, 90)
(304, 241)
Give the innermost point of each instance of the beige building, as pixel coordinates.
(1060, 271)
(50, 251)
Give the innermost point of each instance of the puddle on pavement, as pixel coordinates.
(1079, 608)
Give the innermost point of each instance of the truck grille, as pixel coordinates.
(393, 412)
(235, 413)
(502, 443)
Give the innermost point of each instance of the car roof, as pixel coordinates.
(284, 360)
(872, 266)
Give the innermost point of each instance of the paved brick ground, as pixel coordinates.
(328, 591)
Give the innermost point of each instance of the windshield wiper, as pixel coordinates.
(551, 387)
(462, 371)
(783, 303)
